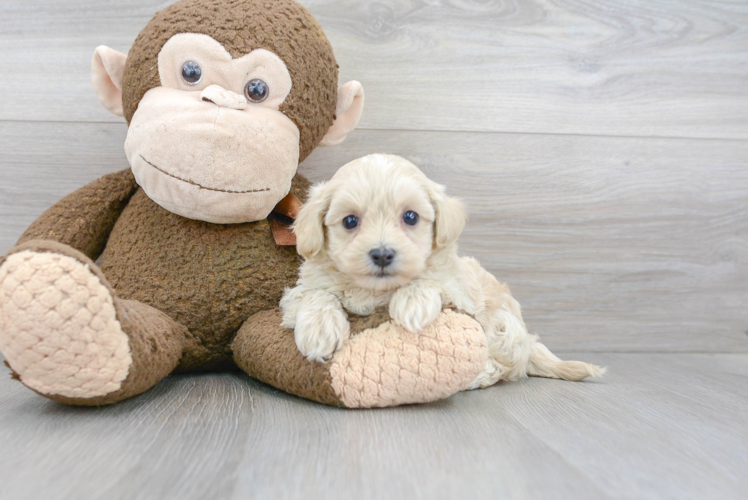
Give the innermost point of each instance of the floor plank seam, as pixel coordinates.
(563, 458)
(447, 131)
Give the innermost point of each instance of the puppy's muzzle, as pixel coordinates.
(382, 256)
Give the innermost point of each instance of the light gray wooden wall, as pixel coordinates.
(602, 147)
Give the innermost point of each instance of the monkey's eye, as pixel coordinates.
(350, 222)
(192, 73)
(410, 218)
(256, 90)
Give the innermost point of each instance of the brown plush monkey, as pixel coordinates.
(223, 98)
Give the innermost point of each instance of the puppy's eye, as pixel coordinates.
(192, 73)
(350, 222)
(410, 218)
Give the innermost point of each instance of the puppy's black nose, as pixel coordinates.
(382, 256)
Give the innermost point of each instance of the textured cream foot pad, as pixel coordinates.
(58, 327)
(387, 366)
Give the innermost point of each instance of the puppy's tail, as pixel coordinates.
(543, 363)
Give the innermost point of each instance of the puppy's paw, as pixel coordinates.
(415, 307)
(319, 332)
(289, 304)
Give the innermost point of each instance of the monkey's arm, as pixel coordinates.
(85, 218)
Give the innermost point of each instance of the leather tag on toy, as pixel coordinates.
(281, 219)
(289, 206)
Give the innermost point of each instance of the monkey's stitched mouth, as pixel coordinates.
(200, 186)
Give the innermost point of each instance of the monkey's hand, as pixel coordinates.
(321, 325)
(416, 306)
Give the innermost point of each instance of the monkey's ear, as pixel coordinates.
(347, 113)
(107, 69)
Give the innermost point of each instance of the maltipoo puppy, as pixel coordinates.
(380, 233)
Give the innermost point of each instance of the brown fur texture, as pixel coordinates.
(13, 374)
(208, 277)
(267, 352)
(361, 323)
(283, 27)
(84, 218)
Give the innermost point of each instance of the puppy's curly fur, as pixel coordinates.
(380, 233)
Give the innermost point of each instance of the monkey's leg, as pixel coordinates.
(381, 365)
(65, 334)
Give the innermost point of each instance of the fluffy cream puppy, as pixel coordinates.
(380, 233)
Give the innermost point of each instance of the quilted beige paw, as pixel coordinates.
(58, 327)
(388, 365)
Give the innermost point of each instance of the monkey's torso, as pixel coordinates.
(207, 277)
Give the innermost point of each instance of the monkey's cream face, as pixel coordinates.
(210, 143)
(380, 223)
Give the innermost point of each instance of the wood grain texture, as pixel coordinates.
(658, 427)
(632, 242)
(636, 68)
(42, 162)
(610, 244)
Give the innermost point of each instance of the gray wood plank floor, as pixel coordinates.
(660, 426)
(602, 150)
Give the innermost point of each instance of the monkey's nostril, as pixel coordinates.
(382, 256)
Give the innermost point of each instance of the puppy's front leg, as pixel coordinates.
(319, 322)
(416, 305)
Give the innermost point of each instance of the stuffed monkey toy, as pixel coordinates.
(223, 99)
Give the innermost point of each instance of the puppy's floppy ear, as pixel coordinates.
(450, 215)
(309, 226)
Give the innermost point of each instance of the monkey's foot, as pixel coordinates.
(389, 366)
(381, 365)
(60, 328)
